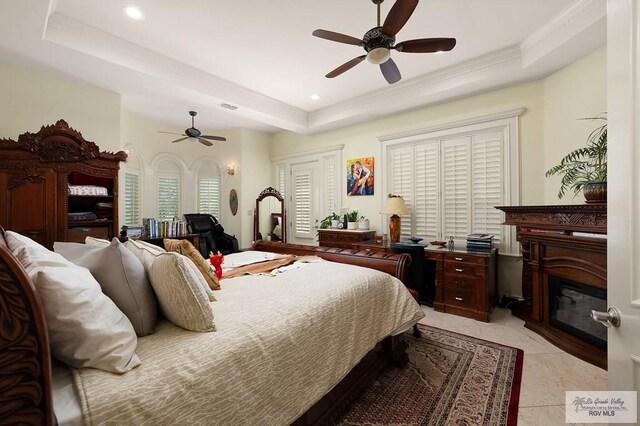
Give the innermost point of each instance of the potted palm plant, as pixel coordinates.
(585, 169)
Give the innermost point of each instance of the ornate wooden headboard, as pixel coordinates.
(25, 359)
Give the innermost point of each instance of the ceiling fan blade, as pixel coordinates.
(340, 38)
(426, 45)
(171, 133)
(346, 66)
(180, 140)
(398, 16)
(204, 142)
(214, 138)
(390, 71)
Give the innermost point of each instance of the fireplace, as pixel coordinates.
(564, 274)
(569, 306)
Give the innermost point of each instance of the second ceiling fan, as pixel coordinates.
(379, 41)
(193, 133)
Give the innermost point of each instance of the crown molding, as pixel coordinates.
(569, 24)
(468, 121)
(76, 35)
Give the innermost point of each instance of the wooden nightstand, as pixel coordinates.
(466, 281)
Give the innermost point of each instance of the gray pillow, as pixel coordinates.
(122, 278)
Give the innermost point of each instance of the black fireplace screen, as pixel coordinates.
(569, 306)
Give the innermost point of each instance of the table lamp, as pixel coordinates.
(395, 206)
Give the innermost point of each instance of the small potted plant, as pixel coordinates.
(363, 223)
(585, 169)
(352, 219)
(330, 221)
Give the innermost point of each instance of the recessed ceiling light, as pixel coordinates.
(315, 96)
(133, 12)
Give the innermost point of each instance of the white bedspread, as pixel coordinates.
(281, 343)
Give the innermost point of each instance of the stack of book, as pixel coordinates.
(153, 228)
(479, 242)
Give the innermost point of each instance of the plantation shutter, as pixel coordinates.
(209, 196)
(455, 188)
(131, 199)
(487, 178)
(168, 196)
(330, 184)
(426, 203)
(402, 181)
(282, 179)
(302, 202)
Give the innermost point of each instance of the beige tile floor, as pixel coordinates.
(547, 371)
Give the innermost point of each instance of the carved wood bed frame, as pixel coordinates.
(25, 359)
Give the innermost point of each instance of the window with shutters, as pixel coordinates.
(331, 181)
(209, 196)
(302, 201)
(168, 190)
(132, 203)
(451, 180)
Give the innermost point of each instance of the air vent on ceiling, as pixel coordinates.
(228, 106)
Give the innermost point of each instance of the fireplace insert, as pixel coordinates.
(569, 306)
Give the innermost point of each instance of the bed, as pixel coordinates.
(300, 358)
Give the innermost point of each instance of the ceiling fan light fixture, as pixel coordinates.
(133, 13)
(379, 55)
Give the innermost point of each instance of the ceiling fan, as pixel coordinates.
(379, 41)
(194, 133)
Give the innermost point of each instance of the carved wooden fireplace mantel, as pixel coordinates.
(553, 249)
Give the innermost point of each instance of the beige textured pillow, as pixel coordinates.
(122, 278)
(180, 290)
(96, 241)
(204, 266)
(85, 327)
(144, 251)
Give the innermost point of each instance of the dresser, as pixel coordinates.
(344, 238)
(466, 281)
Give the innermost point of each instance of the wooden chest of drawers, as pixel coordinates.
(344, 238)
(466, 282)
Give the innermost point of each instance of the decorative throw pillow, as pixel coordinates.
(144, 251)
(85, 327)
(122, 278)
(180, 290)
(185, 248)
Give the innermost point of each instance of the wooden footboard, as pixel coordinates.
(25, 360)
(393, 264)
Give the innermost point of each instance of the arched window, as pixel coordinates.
(209, 187)
(168, 190)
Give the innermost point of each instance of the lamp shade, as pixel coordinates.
(395, 205)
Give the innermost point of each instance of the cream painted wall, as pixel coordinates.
(361, 140)
(255, 170)
(578, 90)
(142, 133)
(31, 99)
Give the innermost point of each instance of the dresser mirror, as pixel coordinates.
(269, 217)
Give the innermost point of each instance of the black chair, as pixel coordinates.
(419, 273)
(212, 235)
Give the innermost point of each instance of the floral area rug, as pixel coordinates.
(451, 379)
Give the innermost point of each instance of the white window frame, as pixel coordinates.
(160, 166)
(506, 121)
(133, 165)
(201, 167)
(324, 155)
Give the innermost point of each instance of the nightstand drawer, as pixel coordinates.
(463, 268)
(464, 258)
(463, 281)
(465, 298)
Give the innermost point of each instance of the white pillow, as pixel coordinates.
(15, 241)
(85, 327)
(179, 287)
(147, 253)
(96, 241)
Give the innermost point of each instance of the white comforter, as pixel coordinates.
(281, 343)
